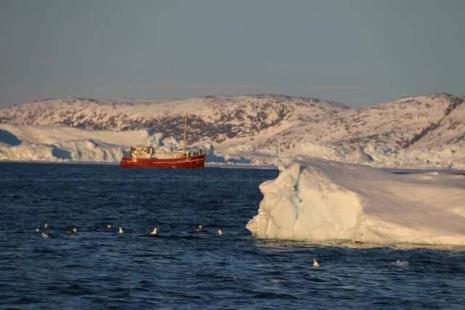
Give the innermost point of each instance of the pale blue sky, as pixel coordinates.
(357, 52)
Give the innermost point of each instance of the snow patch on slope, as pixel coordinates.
(65, 144)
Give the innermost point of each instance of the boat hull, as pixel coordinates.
(193, 162)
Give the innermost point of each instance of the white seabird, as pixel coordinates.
(220, 231)
(315, 263)
(121, 230)
(399, 263)
(154, 232)
(72, 230)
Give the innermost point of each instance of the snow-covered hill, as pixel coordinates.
(416, 131)
(215, 118)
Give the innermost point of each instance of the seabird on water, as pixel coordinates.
(399, 263)
(154, 232)
(71, 230)
(315, 263)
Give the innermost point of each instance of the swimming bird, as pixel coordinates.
(199, 228)
(399, 263)
(154, 232)
(315, 263)
(220, 231)
(45, 225)
(45, 235)
(71, 230)
(121, 230)
(37, 230)
(108, 226)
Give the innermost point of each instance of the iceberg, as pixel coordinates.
(320, 200)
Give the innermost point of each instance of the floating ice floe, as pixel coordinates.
(319, 200)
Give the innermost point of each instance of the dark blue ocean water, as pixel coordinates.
(99, 269)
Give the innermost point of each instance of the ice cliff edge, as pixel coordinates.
(319, 200)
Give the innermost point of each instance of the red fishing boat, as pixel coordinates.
(150, 157)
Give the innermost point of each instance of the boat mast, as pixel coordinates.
(185, 133)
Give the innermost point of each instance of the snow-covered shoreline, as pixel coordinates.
(103, 163)
(65, 144)
(235, 166)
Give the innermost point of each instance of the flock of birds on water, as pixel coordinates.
(44, 231)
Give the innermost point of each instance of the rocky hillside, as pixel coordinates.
(214, 118)
(400, 124)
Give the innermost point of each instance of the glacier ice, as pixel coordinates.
(320, 200)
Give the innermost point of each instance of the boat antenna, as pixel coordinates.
(185, 133)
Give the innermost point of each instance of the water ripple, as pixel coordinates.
(98, 268)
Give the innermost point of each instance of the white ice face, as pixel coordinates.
(316, 200)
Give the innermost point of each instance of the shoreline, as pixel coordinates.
(396, 170)
(100, 163)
